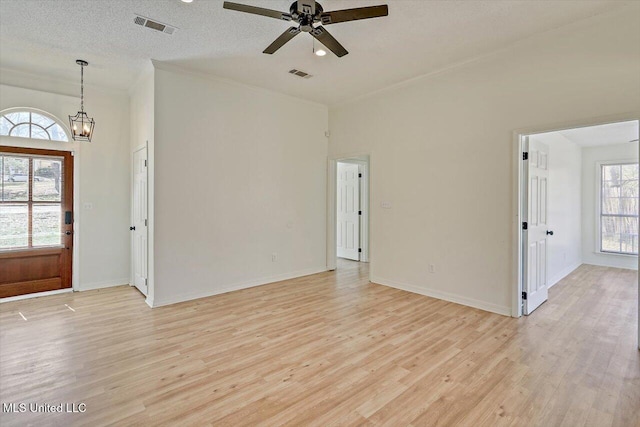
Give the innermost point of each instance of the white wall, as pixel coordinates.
(565, 205)
(102, 172)
(590, 157)
(442, 152)
(240, 174)
(142, 111)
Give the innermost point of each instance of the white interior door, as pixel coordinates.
(535, 236)
(139, 226)
(348, 215)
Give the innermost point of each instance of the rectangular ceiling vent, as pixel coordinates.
(154, 25)
(300, 74)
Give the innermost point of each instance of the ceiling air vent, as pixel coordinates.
(300, 74)
(154, 25)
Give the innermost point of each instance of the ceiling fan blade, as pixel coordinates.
(257, 10)
(354, 14)
(323, 36)
(282, 40)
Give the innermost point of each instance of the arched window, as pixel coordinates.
(34, 124)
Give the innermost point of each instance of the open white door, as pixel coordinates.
(139, 226)
(535, 235)
(348, 211)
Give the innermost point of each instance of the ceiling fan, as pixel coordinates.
(307, 13)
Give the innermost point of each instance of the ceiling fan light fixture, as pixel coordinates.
(319, 51)
(81, 124)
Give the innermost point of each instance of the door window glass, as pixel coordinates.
(31, 194)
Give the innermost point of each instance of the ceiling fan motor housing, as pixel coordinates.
(306, 13)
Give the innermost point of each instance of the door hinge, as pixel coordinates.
(359, 212)
(525, 156)
(359, 250)
(146, 282)
(145, 222)
(145, 163)
(359, 175)
(525, 226)
(524, 295)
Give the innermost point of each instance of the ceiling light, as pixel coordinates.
(81, 124)
(320, 51)
(187, 1)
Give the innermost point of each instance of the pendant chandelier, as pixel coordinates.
(81, 124)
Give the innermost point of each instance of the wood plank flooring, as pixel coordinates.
(326, 350)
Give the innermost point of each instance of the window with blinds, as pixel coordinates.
(619, 208)
(31, 199)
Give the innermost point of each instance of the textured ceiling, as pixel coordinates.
(45, 37)
(613, 133)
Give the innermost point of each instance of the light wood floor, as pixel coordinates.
(328, 349)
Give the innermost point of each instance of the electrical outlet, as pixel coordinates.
(432, 268)
(385, 205)
(87, 206)
(274, 257)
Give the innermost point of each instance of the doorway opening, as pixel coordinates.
(140, 221)
(348, 239)
(578, 192)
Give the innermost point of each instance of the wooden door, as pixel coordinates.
(139, 227)
(535, 237)
(348, 214)
(36, 220)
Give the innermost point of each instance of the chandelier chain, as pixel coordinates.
(81, 87)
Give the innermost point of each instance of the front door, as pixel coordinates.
(36, 220)
(535, 236)
(348, 215)
(139, 226)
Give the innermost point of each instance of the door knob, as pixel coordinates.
(549, 233)
(68, 233)
(132, 228)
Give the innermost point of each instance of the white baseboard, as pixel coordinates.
(633, 266)
(105, 284)
(446, 296)
(234, 287)
(35, 295)
(564, 273)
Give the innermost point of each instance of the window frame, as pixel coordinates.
(43, 113)
(599, 215)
